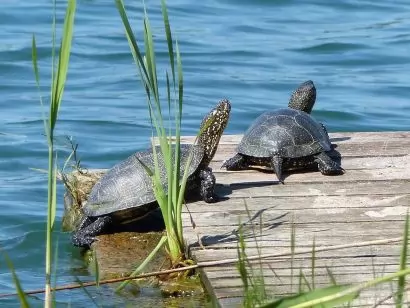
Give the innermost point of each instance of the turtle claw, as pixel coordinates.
(86, 234)
(211, 199)
(327, 166)
(235, 163)
(81, 240)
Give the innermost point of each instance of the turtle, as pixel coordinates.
(125, 193)
(287, 138)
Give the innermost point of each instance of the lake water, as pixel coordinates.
(252, 52)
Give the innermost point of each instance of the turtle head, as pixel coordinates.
(211, 129)
(304, 97)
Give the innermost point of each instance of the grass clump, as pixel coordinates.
(170, 201)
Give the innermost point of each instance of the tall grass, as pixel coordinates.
(58, 80)
(170, 200)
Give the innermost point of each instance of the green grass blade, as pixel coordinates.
(96, 269)
(169, 38)
(168, 88)
(37, 78)
(53, 58)
(305, 280)
(331, 276)
(347, 293)
(141, 267)
(20, 293)
(401, 282)
(313, 262)
(180, 81)
(300, 281)
(150, 61)
(241, 266)
(132, 41)
(313, 295)
(55, 272)
(178, 118)
(176, 175)
(63, 61)
(54, 192)
(89, 295)
(292, 251)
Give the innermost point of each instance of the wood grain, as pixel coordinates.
(368, 202)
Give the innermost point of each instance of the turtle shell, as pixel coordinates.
(127, 186)
(288, 132)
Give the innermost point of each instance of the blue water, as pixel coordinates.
(252, 52)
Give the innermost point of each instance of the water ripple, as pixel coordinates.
(252, 52)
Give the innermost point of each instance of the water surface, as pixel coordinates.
(252, 52)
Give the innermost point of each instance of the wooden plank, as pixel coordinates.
(376, 149)
(368, 202)
(300, 203)
(350, 163)
(232, 297)
(361, 144)
(389, 253)
(272, 189)
(388, 174)
(303, 216)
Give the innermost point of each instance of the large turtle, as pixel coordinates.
(287, 138)
(125, 193)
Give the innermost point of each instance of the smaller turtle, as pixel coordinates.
(286, 139)
(125, 193)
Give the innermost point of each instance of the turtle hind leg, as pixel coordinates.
(238, 162)
(327, 166)
(276, 165)
(88, 230)
(207, 189)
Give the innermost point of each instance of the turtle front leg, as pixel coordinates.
(276, 165)
(238, 162)
(88, 230)
(328, 166)
(207, 189)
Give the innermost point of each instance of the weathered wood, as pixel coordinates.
(368, 202)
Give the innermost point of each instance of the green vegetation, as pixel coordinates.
(170, 201)
(59, 75)
(331, 296)
(255, 292)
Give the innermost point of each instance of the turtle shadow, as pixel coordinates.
(225, 190)
(246, 228)
(152, 222)
(338, 139)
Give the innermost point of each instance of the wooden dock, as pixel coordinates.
(369, 202)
